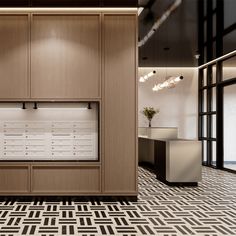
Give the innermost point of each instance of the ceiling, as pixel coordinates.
(68, 3)
(178, 33)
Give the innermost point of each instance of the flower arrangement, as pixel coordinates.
(149, 113)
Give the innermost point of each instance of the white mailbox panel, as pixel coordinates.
(49, 134)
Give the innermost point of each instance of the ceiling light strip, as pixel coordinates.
(218, 59)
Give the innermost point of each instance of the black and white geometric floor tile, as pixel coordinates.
(209, 209)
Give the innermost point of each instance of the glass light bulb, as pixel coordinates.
(155, 88)
(177, 79)
(142, 80)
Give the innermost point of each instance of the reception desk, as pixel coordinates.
(176, 161)
(146, 141)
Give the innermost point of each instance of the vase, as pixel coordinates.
(149, 123)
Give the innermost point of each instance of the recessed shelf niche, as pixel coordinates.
(52, 132)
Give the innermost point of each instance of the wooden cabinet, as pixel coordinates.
(60, 178)
(119, 101)
(74, 56)
(14, 44)
(14, 179)
(65, 56)
(65, 179)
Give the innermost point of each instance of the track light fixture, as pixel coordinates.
(23, 106)
(35, 105)
(89, 106)
(144, 78)
(171, 82)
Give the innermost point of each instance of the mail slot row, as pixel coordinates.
(65, 153)
(53, 142)
(66, 125)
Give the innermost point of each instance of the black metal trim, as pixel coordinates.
(207, 139)
(229, 29)
(227, 82)
(208, 86)
(229, 170)
(207, 113)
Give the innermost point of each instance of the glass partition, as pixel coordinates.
(229, 68)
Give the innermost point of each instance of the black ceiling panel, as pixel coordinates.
(178, 32)
(68, 3)
(120, 3)
(14, 3)
(65, 3)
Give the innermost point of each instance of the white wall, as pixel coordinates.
(178, 106)
(229, 123)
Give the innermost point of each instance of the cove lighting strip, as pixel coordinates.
(170, 83)
(233, 53)
(144, 78)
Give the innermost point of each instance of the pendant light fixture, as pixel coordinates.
(170, 81)
(144, 78)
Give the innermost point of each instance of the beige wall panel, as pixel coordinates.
(120, 104)
(14, 41)
(14, 179)
(65, 56)
(65, 179)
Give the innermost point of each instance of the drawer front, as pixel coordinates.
(65, 179)
(14, 179)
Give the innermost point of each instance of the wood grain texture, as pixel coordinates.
(65, 179)
(65, 56)
(120, 161)
(14, 42)
(14, 179)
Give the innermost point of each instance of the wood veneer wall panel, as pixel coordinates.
(14, 44)
(65, 179)
(14, 179)
(120, 163)
(65, 56)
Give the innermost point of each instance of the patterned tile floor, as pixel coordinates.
(209, 209)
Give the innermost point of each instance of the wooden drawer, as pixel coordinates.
(65, 179)
(14, 179)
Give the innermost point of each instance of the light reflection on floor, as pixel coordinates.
(230, 166)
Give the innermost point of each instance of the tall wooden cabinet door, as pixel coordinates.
(120, 142)
(14, 42)
(65, 56)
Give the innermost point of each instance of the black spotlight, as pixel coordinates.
(35, 105)
(89, 106)
(23, 106)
